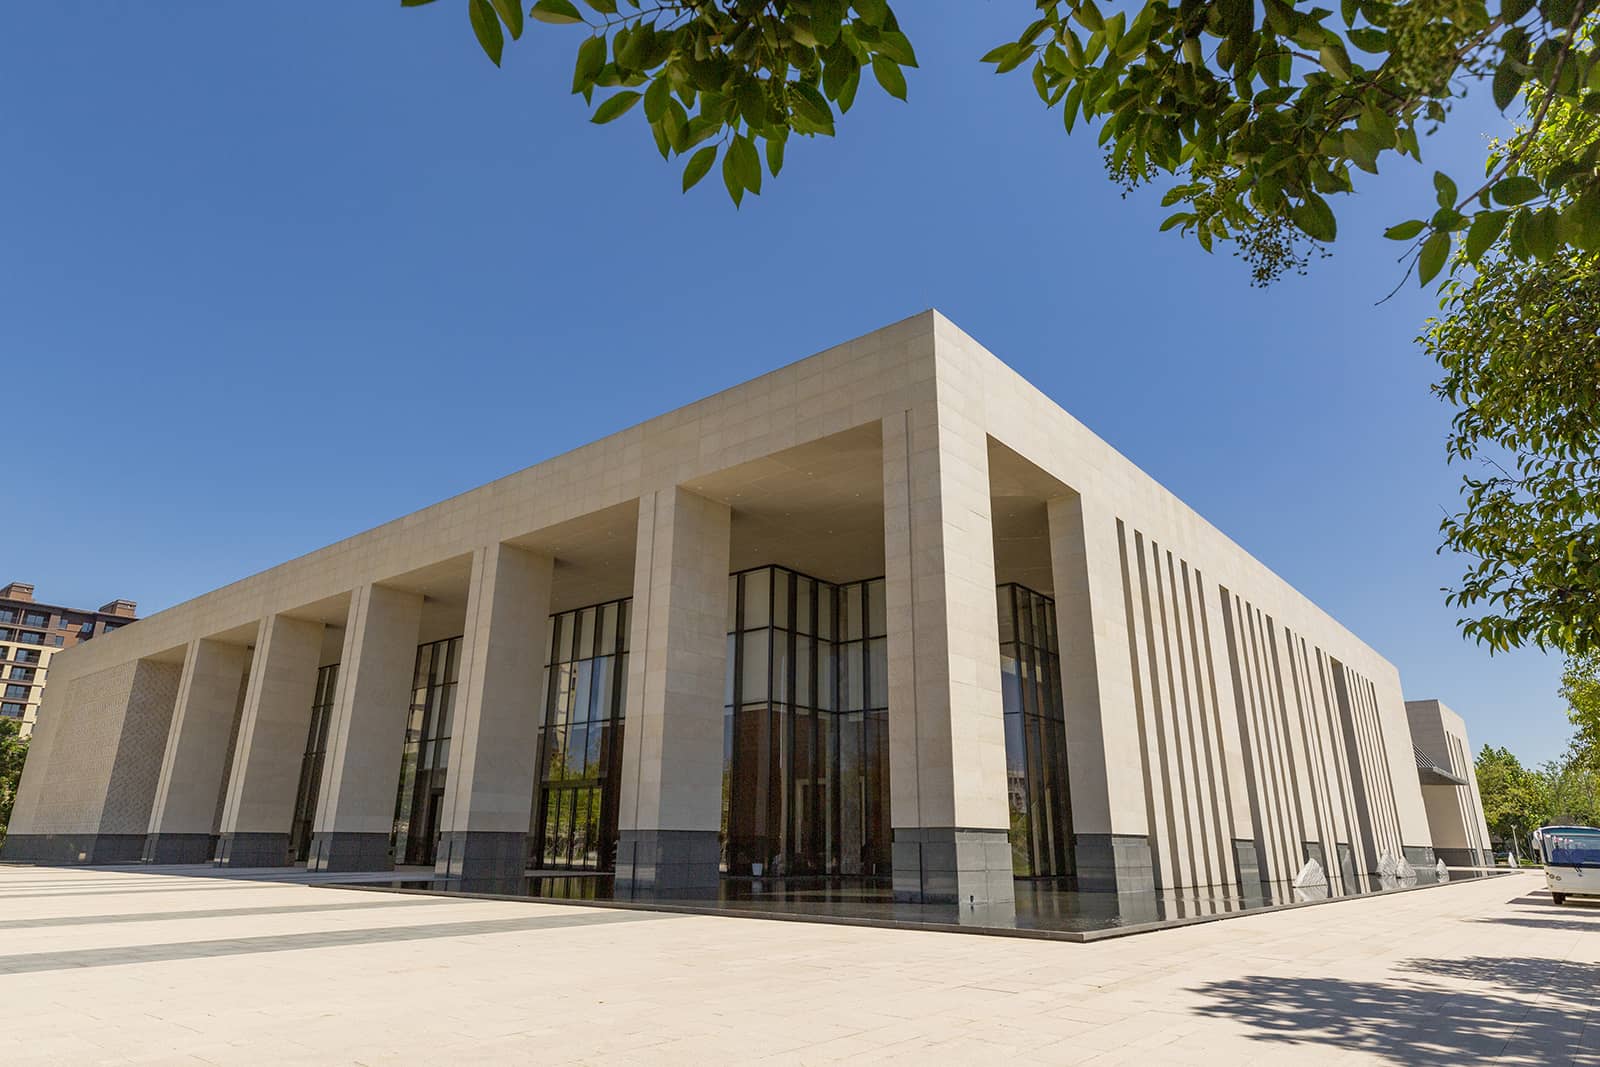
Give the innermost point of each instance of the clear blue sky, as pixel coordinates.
(271, 274)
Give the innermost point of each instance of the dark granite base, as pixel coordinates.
(1248, 861)
(1114, 863)
(1461, 857)
(1422, 858)
(482, 854)
(668, 861)
(253, 850)
(65, 849)
(952, 865)
(179, 848)
(340, 850)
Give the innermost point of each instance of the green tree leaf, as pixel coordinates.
(1485, 230)
(1507, 80)
(510, 12)
(1445, 188)
(1434, 252)
(731, 180)
(557, 12)
(1541, 233)
(1514, 191)
(746, 164)
(1315, 217)
(486, 25)
(1335, 61)
(615, 106)
(698, 165)
(591, 60)
(889, 76)
(894, 44)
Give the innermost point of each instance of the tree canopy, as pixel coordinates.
(1518, 340)
(1518, 800)
(13, 750)
(1580, 688)
(1260, 113)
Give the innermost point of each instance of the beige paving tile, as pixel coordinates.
(1431, 977)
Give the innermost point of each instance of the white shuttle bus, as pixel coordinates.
(1571, 857)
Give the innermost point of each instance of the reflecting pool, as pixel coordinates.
(1043, 908)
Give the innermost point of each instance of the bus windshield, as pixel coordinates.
(1571, 847)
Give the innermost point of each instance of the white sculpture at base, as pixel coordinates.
(1387, 867)
(1441, 871)
(1311, 874)
(1311, 883)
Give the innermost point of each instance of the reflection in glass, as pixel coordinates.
(419, 800)
(310, 786)
(580, 745)
(805, 753)
(1035, 734)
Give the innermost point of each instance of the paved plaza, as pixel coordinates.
(127, 966)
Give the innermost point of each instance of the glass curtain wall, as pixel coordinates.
(1036, 741)
(310, 787)
(586, 678)
(805, 740)
(419, 802)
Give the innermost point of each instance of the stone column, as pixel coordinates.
(493, 764)
(947, 775)
(87, 792)
(355, 813)
(671, 797)
(1104, 761)
(272, 740)
(195, 761)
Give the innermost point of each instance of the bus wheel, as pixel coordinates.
(1560, 898)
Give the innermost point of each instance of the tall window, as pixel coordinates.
(17, 692)
(35, 618)
(419, 802)
(805, 737)
(310, 787)
(580, 749)
(1036, 743)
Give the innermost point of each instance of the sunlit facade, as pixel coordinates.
(885, 620)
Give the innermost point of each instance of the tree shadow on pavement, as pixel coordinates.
(1541, 913)
(1534, 1013)
(1552, 923)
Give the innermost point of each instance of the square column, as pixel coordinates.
(947, 777)
(196, 757)
(355, 813)
(1105, 763)
(493, 761)
(272, 738)
(671, 798)
(90, 782)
